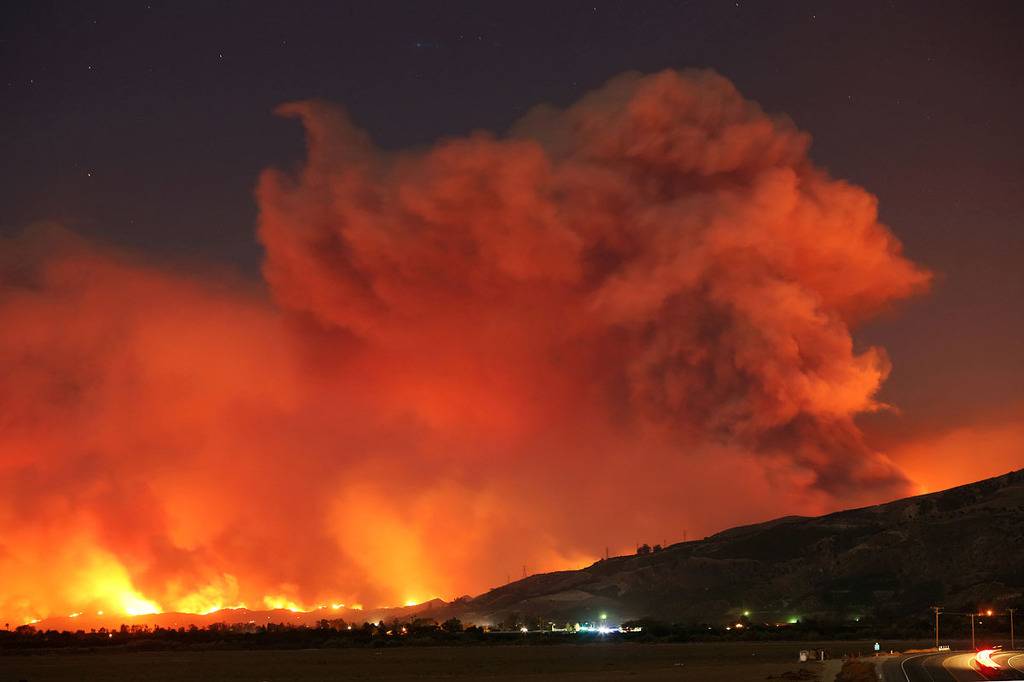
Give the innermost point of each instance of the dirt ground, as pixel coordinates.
(729, 662)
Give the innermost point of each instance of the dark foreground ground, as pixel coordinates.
(711, 662)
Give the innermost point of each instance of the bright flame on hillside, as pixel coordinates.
(216, 596)
(135, 605)
(280, 602)
(104, 581)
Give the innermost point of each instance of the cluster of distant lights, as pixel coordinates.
(605, 629)
(739, 625)
(601, 627)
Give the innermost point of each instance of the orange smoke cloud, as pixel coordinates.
(944, 455)
(624, 319)
(663, 242)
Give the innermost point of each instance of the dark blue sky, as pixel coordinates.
(145, 124)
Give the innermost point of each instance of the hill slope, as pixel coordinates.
(958, 547)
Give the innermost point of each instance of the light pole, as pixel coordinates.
(972, 632)
(937, 610)
(1011, 627)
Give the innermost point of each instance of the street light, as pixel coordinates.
(973, 615)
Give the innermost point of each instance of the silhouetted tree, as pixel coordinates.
(332, 624)
(511, 622)
(643, 549)
(452, 625)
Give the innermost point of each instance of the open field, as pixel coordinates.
(711, 662)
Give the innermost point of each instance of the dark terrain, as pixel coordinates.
(726, 662)
(962, 548)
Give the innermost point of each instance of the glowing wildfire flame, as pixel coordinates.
(281, 602)
(104, 588)
(134, 605)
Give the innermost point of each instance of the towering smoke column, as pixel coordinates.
(663, 243)
(622, 320)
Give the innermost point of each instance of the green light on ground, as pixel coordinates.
(793, 620)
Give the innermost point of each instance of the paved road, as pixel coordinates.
(957, 666)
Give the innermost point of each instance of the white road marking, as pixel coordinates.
(903, 665)
(964, 667)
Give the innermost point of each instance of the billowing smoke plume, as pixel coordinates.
(622, 320)
(663, 243)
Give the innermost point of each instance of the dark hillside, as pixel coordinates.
(960, 547)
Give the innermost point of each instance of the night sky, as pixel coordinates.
(145, 126)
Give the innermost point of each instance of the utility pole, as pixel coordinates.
(972, 632)
(937, 610)
(1011, 627)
